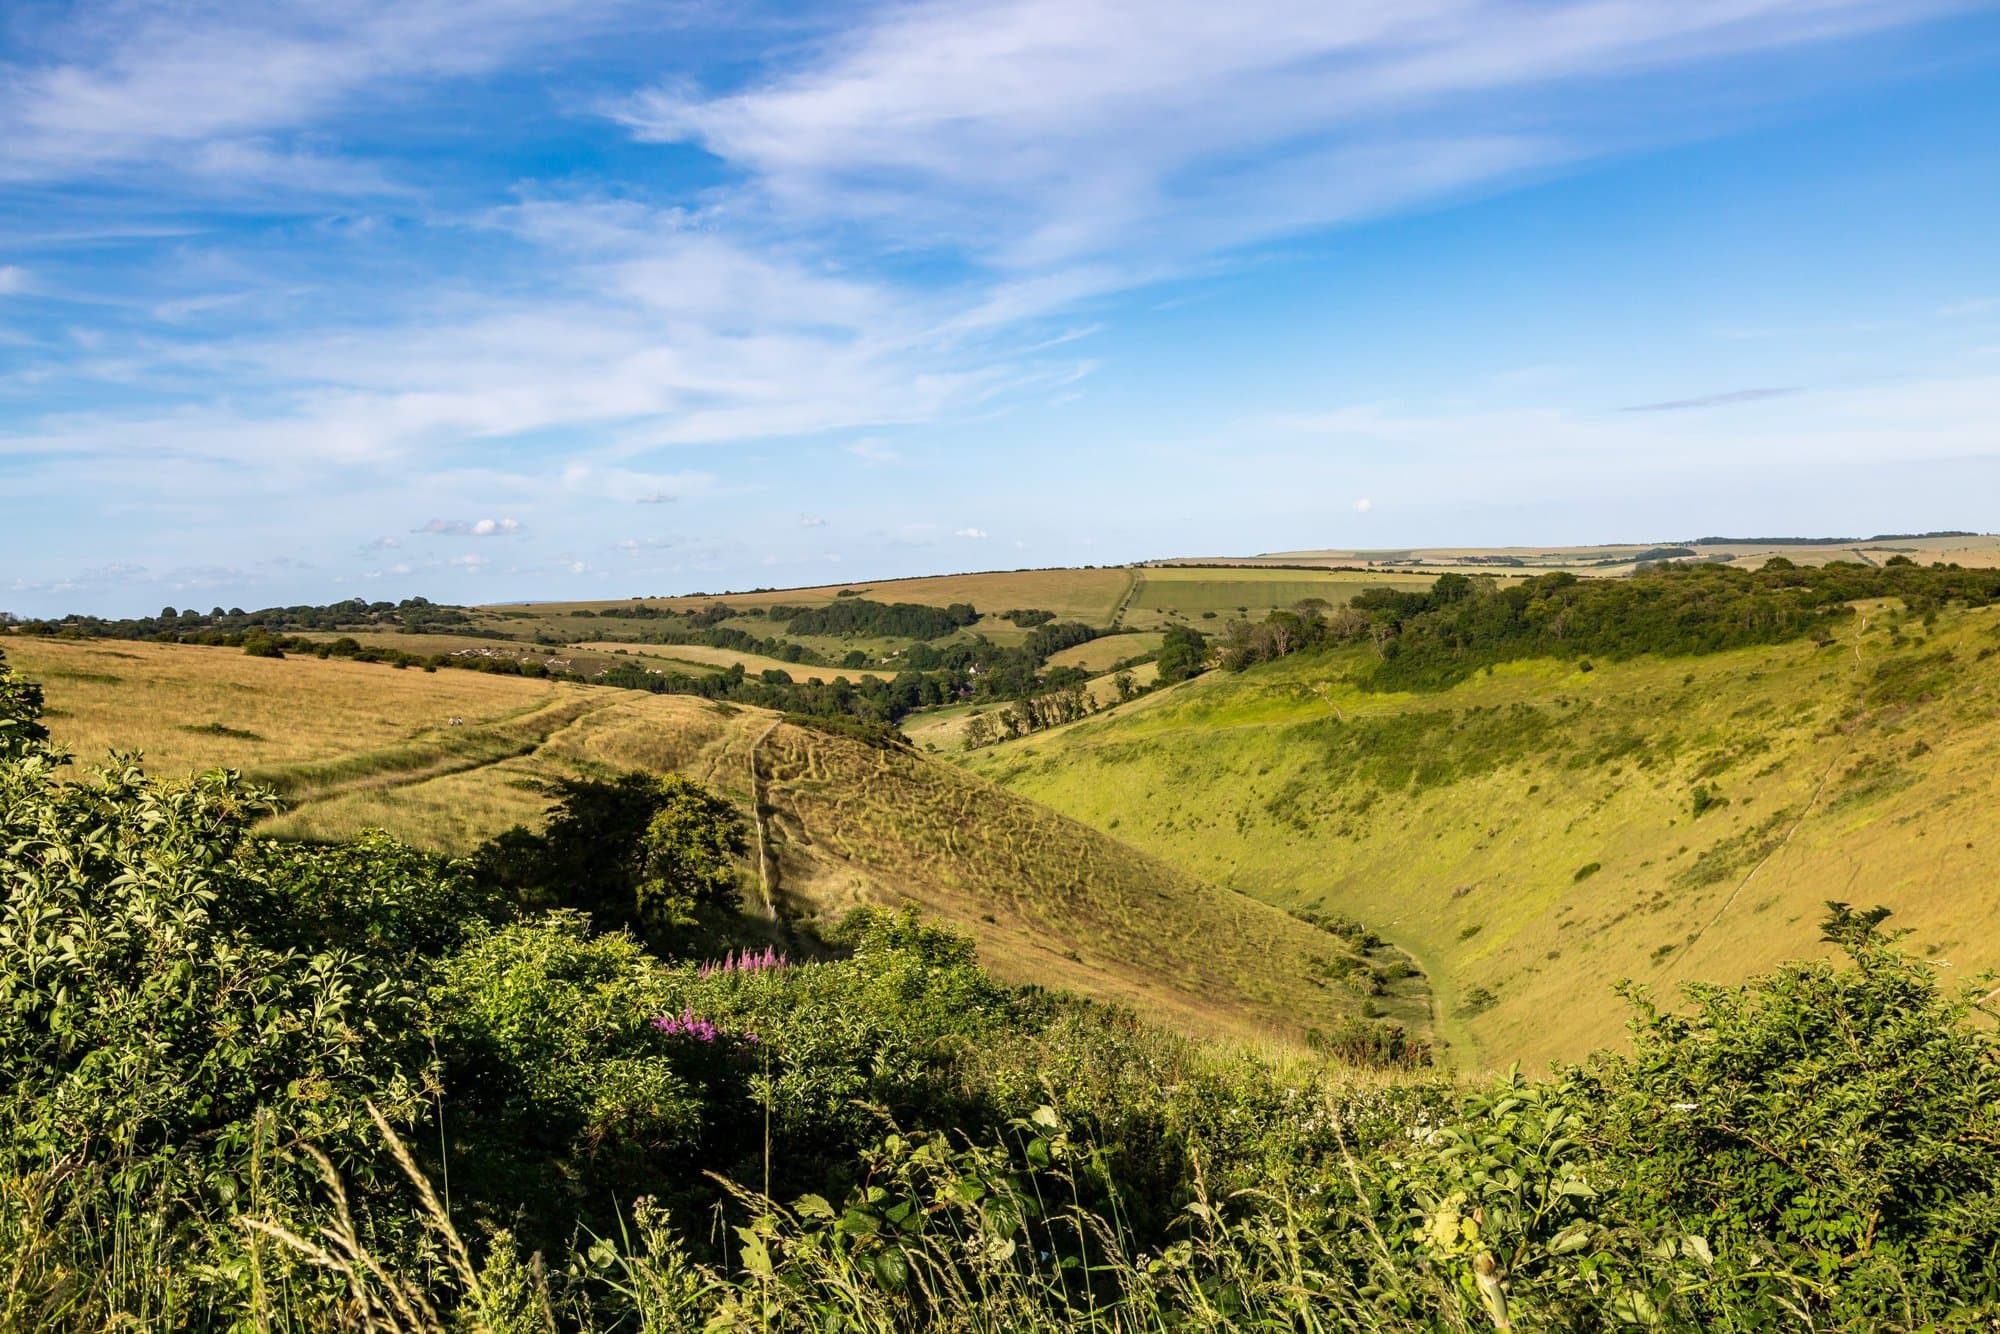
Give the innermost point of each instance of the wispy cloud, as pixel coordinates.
(151, 82)
(1041, 132)
(1721, 400)
(977, 534)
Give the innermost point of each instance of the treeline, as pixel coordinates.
(1062, 694)
(410, 616)
(851, 617)
(1433, 638)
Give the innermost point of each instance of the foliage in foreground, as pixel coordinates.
(276, 1087)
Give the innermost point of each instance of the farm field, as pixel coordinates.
(1186, 593)
(1973, 552)
(1534, 836)
(356, 745)
(701, 658)
(1100, 655)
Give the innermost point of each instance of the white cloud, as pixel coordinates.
(811, 521)
(639, 546)
(873, 451)
(979, 533)
(13, 278)
(1363, 506)
(472, 564)
(1974, 306)
(471, 527)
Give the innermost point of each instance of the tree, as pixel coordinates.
(688, 868)
(1183, 653)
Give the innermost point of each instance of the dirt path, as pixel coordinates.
(1125, 603)
(767, 871)
(433, 754)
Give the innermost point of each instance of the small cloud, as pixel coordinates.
(658, 498)
(1363, 505)
(637, 546)
(13, 279)
(977, 533)
(385, 544)
(1976, 306)
(471, 528)
(470, 564)
(1714, 400)
(811, 521)
(873, 451)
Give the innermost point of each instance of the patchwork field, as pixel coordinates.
(355, 745)
(1539, 833)
(1088, 595)
(1972, 551)
(1169, 593)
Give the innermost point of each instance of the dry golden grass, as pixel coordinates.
(700, 658)
(174, 701)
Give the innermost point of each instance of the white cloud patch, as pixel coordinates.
(471, 527)
(873, 452)
(1363, 506)
(811, 521)
(13, 278)
(978, 534)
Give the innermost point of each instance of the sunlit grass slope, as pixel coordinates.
(1539, 833)
(353, 745)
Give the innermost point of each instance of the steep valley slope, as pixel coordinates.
(1541, 832)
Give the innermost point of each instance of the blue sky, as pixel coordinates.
(566, 298)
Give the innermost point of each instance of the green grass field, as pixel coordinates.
(1049, 900)
(1532, 834)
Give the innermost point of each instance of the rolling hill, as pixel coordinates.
(445, 759)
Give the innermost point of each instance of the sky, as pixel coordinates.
(489, 300)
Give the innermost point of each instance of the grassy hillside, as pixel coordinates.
(1540, 832)
(354, 745)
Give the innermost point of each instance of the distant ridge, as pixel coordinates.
(1825, 541)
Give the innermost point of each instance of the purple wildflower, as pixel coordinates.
(687, 1024)
(745, 962)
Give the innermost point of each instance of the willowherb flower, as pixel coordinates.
(745, 962)
(687, 1024)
